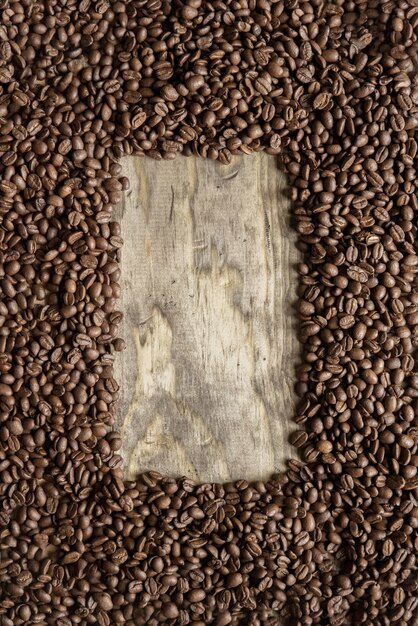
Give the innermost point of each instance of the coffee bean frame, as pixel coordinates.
(331, 89)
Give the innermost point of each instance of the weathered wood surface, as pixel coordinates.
(208, 288)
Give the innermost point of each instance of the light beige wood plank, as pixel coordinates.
(208, 284)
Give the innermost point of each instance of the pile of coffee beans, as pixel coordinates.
(329, 86)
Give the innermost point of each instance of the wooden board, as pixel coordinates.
(208, 288)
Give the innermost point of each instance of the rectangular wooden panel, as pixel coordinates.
(208, 284)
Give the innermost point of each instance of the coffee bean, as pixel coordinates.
(196, 595)
(5, 390)
(170, 610)
(234, 580)
(325, 446)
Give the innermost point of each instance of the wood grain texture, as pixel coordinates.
(208, 285)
